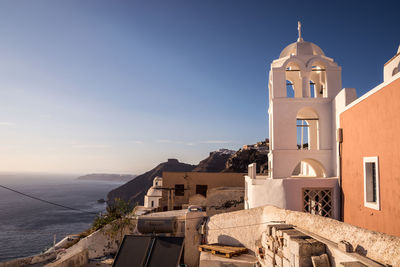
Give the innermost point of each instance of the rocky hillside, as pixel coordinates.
(257, 153)
(215, 162)
(135, 190)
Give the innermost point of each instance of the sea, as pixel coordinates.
(28, 226)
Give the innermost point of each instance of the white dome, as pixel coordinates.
(301, 48)
(153, 192)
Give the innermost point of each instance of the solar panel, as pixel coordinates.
(133, 251)
(166, 252)
(149, 251)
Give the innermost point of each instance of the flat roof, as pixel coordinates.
(171, 213)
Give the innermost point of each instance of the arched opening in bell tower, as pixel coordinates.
(312, 89)
(289, 89)
(293, 80)
(309, 168)
(307, 127)
(318, 80)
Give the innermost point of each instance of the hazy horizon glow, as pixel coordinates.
(118, 87)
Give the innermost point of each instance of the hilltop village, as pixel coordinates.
(323, 190)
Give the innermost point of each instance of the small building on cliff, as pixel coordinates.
(154, 194)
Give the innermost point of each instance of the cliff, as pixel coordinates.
(135, 190)
(257, 153)
(215, 162)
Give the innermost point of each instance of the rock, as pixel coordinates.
(257, 153)
(215, 162)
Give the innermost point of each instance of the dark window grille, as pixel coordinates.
(201, 189)
(179, 190)
(373, 182)
(370, 168)
(318, 201)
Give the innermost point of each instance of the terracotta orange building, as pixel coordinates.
(370, 155)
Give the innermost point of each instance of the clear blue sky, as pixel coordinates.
(120, 86)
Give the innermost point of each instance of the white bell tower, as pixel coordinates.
(302, 84)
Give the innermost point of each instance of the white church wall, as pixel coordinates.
(293, 188)
(148, 200)
(288, 193)
(268, 191)
(342, 99)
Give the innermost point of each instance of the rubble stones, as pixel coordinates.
(286, 246)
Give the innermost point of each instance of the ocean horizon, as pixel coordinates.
(28, 226)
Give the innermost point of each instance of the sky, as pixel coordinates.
(120, 86)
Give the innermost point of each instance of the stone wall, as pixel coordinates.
(41, 258)
(78, 258)
(245, 228)
(193, 238)
(224, 199)
(98, 244)
(283, 245)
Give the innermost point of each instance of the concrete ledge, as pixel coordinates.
(77, 259)
(209, 260)
(41, 258)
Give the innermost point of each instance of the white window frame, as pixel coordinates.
(372, 205)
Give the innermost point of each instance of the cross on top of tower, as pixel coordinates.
(300, 39)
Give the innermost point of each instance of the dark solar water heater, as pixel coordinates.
(149, 251)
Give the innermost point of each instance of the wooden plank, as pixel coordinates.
(228, 251)
(214, 246)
